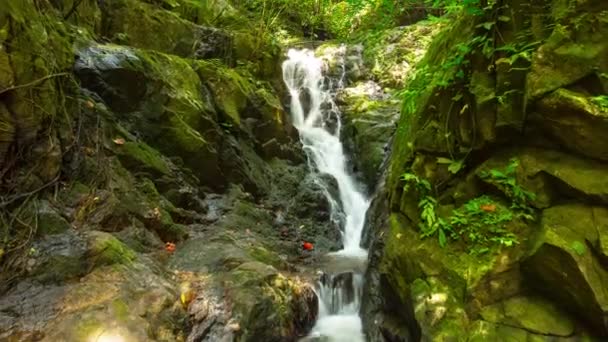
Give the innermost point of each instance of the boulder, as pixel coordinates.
(552, 174)
(571, 53)
(565, 255)
(534, 314)
(160, 98)
(576, 121)
(146, 26)
(369, 121)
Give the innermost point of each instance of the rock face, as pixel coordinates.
(529, 134)
(151, 182)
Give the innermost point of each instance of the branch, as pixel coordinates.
(33, 82)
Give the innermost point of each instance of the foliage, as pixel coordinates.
(482, 222)
(505, 180)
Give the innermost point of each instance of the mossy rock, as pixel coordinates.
(270, 306)
(551, 174)
(576, 121)
(562, 257)
(49, 220)
(138, 156)
(575, 50)
(105, 249)
(533, 314)
(146, 26)
(159, 97)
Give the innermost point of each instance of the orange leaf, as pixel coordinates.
(490, 208)
(119, 141)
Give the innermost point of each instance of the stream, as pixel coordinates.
(317, 119)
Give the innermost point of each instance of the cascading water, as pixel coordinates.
(317, 119)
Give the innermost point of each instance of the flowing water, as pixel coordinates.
(317, 119)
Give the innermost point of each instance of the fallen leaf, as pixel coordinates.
(170, 247)
(119, 141)
(489, 208)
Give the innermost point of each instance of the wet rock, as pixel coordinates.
(138, 156)
(369, 120)
(175, 118)
(58, 258)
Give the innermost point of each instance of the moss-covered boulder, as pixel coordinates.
(533, 314)
(565, 255)
(369, 118)
(551, 174)
(576, 121)
(148, 26)
(139, 156)
(160, 97)
(105, 249)
(575, 52)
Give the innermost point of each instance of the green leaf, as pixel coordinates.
(487, 25)
(504, 18)
(442, 238)
(442, 160)
(456, 166)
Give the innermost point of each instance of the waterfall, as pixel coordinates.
(317, 118)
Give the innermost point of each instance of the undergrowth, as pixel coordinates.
(482, 223)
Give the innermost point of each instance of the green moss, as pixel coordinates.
(138, 155)
(265, 256)
(120, 310)
(105, 249)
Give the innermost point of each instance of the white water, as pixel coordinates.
(317, 119)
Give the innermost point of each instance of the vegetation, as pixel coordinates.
(482, 222)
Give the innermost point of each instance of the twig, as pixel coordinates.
(33, 82)
(27, 194)
(72, 10)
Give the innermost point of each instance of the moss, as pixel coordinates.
(120, 310)
(105, 249)
(140, 156)
(265, 256)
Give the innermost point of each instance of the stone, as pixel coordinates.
(139, 156)
(575, 121)
(105, 249)
(175, 118)
(146, 26)
(550, 174)
(572, 52)
(49, 220)
(562, 257)
(534, 314)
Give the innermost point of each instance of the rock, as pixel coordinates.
(368, 125)
(571, 53)
(270, 306)
(562, 256)
(138, 156)
(105, 249)
(49, 220)
(145, 26)
(575, 121)
(174, 117)
(533, 314)
(59, 258)
(551, 174)
(242, 165)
